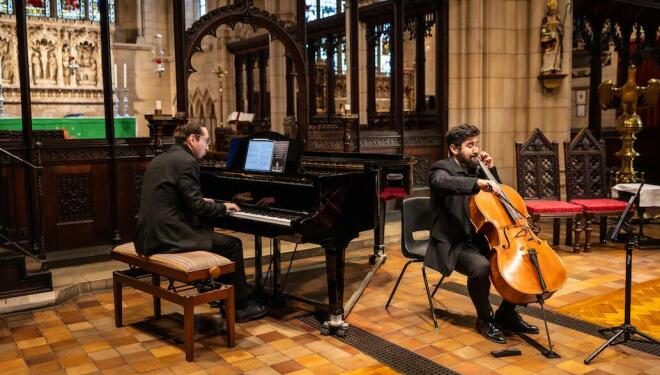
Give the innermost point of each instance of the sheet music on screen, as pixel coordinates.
(264, 155)
(259, 155)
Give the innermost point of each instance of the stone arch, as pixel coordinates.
(258, 18)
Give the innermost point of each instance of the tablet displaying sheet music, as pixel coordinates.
(265, 155)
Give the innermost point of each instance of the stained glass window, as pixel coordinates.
(317, 9)
(328, 8)
(71, 9)
(383, 56)
(202, 7)
(6, 6)
(95, 12)
(311, 11)
(37, 8)
(340, 57)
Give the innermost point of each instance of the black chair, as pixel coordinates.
(416, 216)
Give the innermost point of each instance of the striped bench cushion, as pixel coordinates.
(186, 262)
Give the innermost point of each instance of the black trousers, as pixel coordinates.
(232, 248)
(473, 263)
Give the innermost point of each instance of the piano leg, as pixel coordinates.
(379, 232)
(258, 272)
(335, 252)
(277, 270)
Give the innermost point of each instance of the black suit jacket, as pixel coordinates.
(451, 186)
(173, 216)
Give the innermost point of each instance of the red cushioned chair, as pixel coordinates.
(537, 161)
(587, 182)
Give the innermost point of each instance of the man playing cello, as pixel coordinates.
(454, 243)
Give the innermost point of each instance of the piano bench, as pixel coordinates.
(189, 267)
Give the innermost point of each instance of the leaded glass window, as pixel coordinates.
(6, 6)
(37, 8)
(71, 9)
(328, 8)
(317, 9)
(202, 7)
(311, 11)
(383, 53)
(95, 12)
(340, 56)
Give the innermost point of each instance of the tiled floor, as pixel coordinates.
(79, 336)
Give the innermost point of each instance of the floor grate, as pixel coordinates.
(559, 319)
(387, 353)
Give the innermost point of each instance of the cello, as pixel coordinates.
(523, 268)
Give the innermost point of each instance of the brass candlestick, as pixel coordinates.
(220, 74)
(629, 97)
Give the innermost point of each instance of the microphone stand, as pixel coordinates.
(626, 330)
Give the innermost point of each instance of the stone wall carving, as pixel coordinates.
(53, 44)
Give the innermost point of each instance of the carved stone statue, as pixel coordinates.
(552, 32)
(52, 66)
(37, 72)
(66, 72)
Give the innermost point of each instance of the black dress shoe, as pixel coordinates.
(512, 321)
(490, 331)
(251, 310)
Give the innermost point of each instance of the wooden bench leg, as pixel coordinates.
(230, 318)
(116, 291)
(579, 223)
(588, 218)
(556, 228)
(569, 232)
(155, 281)
(189, 329)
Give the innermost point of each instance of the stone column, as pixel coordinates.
(278, 86)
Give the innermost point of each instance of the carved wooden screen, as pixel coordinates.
(586, 170)
(537, 163)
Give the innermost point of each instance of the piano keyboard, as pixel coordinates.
(264, 216)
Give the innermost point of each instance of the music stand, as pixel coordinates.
(626, 329)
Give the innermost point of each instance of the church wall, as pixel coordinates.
(494, 60)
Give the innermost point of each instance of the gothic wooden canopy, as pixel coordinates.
(247, 13)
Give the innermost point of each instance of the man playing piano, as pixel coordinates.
(174, 217)
(454, 244)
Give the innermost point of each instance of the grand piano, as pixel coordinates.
(321, 198)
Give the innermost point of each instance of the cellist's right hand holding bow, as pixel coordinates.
(489, 186)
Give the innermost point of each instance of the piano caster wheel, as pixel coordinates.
(374, 258)
(337, 325)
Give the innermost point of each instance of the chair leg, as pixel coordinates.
(116, 287)
(569, 231)
(556, 228)
(588, 217)
(189, 329)
(399, 280)
(230, 310)
(437, 286)
(603, 228)
(579, 222)
(536, 224)
(428, 294)
(155, 281)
